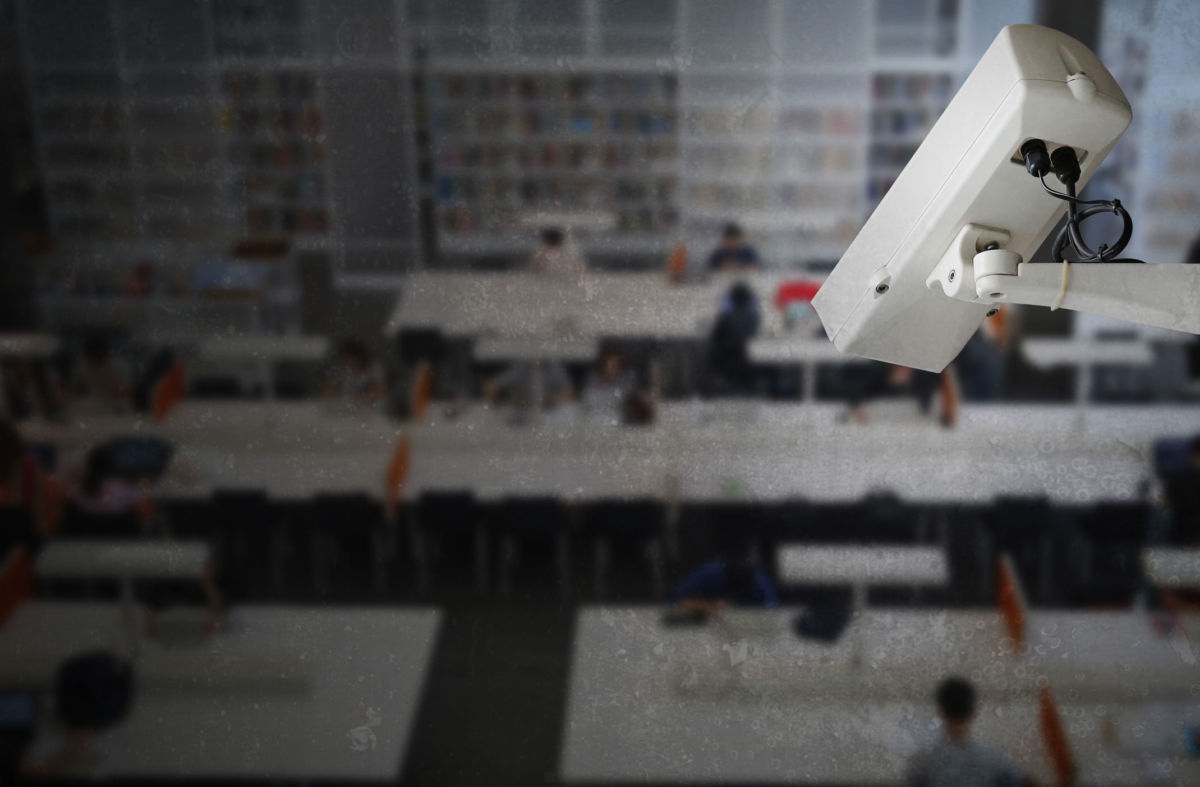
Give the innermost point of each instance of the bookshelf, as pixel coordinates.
(669, 118)
(916, 68)
(511, 144)
(166, 132)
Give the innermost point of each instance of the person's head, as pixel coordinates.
(1194, 451)
(610, 363)
(732, 236)
(956, 705)
(96, 351)
(12, 451)
(353, 355)
(552, 237)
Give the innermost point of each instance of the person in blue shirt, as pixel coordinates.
(723, 582)
(734, 253)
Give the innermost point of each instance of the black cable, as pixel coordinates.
(1072, 234)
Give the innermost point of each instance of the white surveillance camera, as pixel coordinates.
(950, 239)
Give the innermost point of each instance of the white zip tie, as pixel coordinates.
(1062, 293)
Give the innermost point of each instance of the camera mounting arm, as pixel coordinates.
(976, 268)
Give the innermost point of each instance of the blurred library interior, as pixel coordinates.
(429, 392)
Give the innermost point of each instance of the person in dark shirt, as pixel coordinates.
(728, 344)
(958, 761)
(726, 581)
(734, 253)
(1183, 497)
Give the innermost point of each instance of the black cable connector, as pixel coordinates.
(1037, 158)
(1065, 165)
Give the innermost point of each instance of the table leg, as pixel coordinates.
(856, 620)
(129, 615)
(1083, 383)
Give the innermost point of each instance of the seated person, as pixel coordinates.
(31, 390)
(731, 580)
(878, 380)
(728, 344)
(107, 491)
(101, 380)
(556, 255)
(356, 379)
(103, 491)
(1182, 496)
(25, 485)
(531, 385)
(957, 760)
(609, 386)
(734, 253)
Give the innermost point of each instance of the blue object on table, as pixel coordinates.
(138, 457)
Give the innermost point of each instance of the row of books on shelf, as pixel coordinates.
(157, 121)
(92, 154)
(109, 194)
(889, 154)
(83, 119)
(548, 191)
(902, 122)
(89, 83)
(764, 119)
(294, 154)
(149, 278)
(762, 196)
(554, 87)
(264, 220)
(499, 223)
(180, 159)
(763, 161)
(279, 85)
(934, 41)
(580, 121)
(553, 155)
(295, 188)
(304, 119)
(100, 226)
(936, 89)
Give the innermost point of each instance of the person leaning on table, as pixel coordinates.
(730, 580)
(957, 760)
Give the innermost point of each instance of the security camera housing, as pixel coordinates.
(1033, 83)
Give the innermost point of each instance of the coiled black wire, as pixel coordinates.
(1071, 234)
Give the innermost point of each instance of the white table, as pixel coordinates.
(124, 561)
(1084, 355)
(492, 349)
(1172, 568)
(698, 705)
(265, 352)
(702, 451)
(874, 565)
(860, 566)
(28, 345)
(593, 305)
(351, 721)
(807, 352)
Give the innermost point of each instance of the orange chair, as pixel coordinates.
(1054, 734)
(16, 582)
